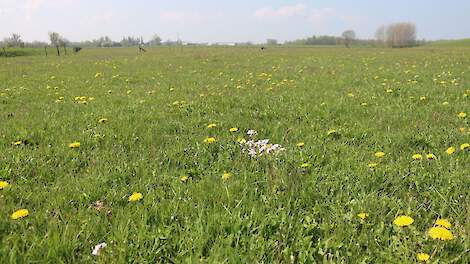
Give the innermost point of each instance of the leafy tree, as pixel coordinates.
(130, 41)
(271, 41)
(155, 41)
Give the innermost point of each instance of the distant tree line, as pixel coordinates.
(56, 40)
(398, 35)
(126, 41)
(317, 40)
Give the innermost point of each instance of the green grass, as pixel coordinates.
(17, 52)
(158, 106)
(450, 43)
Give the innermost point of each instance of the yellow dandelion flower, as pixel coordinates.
(211, 125)
(3, 184)
(136, 196)
(422, 98)
(226, 175)
(431, 156)
(372, 165)
(20, 214)
(443, 222)
(331, 132)
(379, 154)
(422, 257)
(389, 91)
(440, 233)
(364, 104)
(233, 129)
(464, 146)
(450, 150)
(210, 140)
(305, 165)
(403, 221)
(300, 144)
(17, 143)
(417, 157)
(462, 115)
(74, 145)
(184, 178)
(241, 140)
(363, 215)
(103, 120)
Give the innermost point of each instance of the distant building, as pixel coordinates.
(223, 44)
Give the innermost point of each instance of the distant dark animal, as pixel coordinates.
(263, 48)
(77, 49)
(141, 49)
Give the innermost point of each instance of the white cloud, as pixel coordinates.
(281, 12)
(325, 16)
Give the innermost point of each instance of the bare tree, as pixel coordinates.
(55, 37)
(348, 37)
(64, 42)
(401, 35)
(14, 40)
(380, 35)
(57, 41)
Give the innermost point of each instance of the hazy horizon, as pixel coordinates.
(241, 21)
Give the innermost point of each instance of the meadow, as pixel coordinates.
(156, 154)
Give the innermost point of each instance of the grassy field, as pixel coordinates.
(171, 124)
(451, 43)
(17, 52)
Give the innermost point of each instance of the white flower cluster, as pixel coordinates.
(98, 248)
(259, 147)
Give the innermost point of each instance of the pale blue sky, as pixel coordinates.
(229, 21)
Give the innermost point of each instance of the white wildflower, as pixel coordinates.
(251, 133)
(260, 147)
(98, 248)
